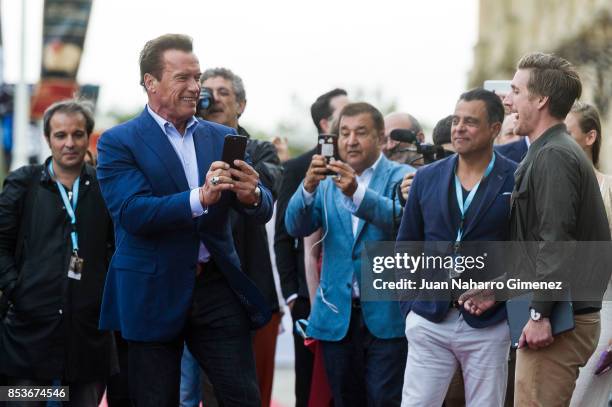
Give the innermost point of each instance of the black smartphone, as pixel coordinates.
(327, 146)
(234, 148)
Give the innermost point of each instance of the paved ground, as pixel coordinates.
(284, 378)
(282, 391)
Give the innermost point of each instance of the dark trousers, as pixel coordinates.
(117, 389)
(87, 394)
(363, 370)
(303, 356)
(217, 333)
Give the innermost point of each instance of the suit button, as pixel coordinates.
(61, 311)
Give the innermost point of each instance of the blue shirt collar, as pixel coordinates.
(163, 122)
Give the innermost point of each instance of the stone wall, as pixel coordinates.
(578, 30)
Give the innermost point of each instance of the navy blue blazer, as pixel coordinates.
(427, 218)
(516, 151)
(149, 285)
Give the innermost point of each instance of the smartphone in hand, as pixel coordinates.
(327, 146)
(234, 148)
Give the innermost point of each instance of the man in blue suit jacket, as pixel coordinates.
(175, 275)
(465, 197)
(363, 345)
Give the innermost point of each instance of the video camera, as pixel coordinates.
(205, 101)
(428, 152)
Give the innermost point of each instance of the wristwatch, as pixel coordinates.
(258, 195)
(535, 315)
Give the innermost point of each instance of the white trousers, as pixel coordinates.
(435, 350)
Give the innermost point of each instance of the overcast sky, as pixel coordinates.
(417, 53)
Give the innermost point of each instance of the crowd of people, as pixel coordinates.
(147, 272)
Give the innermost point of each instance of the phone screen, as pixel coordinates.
(499, 87)
(234, 148)
(328, 147)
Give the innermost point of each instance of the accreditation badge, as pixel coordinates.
(453, 263)
(75, 267)
(456, 269)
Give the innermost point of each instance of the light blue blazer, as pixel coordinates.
(331, 312)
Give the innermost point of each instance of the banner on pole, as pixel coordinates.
(64, 29)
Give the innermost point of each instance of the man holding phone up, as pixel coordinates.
(250, 237)
(363, 345)
(175, 276)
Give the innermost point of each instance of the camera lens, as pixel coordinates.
(206, 99)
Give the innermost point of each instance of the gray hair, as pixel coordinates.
(230, 76)
(70, 106)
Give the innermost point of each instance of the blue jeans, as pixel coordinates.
(191, 389)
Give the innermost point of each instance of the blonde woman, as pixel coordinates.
(584, 125)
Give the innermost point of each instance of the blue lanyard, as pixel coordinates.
(463, 206)
(70, 207)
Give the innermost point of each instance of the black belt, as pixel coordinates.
(587, 310)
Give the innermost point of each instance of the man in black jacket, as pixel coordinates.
(555, 204)
(250, 238)
(290, 251)
(56, 240)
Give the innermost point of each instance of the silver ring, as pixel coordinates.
(338, 177)
(214, 180)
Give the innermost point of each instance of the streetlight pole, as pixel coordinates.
(22, 103)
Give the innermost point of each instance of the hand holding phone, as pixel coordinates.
(316, 173)
(245, 178)
(246, 183)
(218, 179)
(345, 179)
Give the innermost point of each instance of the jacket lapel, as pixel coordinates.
(446, 175)
(205, 149)
(377, 184)
(152, 136)
(340, 207)
(494, 184)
